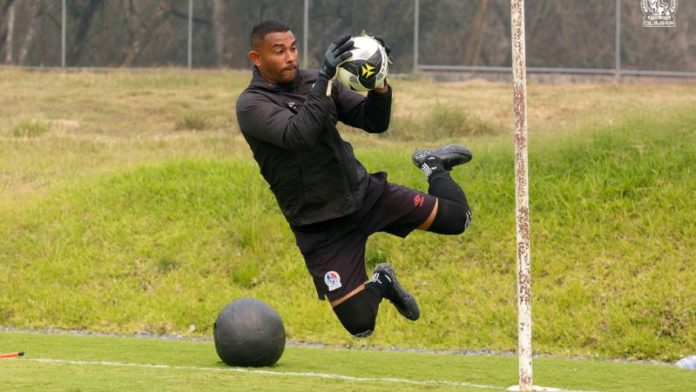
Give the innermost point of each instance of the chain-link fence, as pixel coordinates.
(592, 36)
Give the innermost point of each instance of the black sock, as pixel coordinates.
(443, 186)
(453, 214)
(358, 313)
(431, 166)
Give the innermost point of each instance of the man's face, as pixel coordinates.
(276, 57)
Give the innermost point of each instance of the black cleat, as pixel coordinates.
(450, 155)
(404, 302)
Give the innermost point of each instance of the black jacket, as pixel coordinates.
(291, 130)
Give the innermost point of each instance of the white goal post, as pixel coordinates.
(524, 281)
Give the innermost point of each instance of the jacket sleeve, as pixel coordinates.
(371, 113)
(264, 119)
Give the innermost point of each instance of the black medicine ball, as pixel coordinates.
(249, 333)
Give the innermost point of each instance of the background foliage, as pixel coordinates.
(145, 33)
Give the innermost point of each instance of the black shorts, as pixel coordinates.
(334, 251)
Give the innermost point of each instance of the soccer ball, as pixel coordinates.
(367, 68)
(248, 332)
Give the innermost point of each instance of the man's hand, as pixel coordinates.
(337, 53)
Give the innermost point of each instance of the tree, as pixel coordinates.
(7, 29)
(578, 34)
(142, 23)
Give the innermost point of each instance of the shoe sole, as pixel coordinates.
(411, 310)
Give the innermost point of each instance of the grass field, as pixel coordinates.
(94, 363)
(130, 204)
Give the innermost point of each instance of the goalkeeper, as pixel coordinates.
(330, 201)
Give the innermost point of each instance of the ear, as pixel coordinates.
(254, 57)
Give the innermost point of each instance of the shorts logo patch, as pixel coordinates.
(418, 200)
(332, 280)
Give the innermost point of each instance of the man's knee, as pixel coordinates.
(358, 314)
(360, 325)
(451, 217)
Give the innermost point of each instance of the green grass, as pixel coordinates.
(443, 121)
(192, 122)
(30, 128)
(166, 246)
(117, 220)
(95, 363)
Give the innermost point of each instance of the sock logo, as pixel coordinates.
(332, 280)
(469, 217)
(375, 278)
(427, 170)
(363, 334)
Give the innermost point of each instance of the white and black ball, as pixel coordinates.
(368, 66)
(248, 332)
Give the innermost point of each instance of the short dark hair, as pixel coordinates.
(260, 31)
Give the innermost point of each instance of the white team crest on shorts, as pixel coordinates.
(332, 280)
